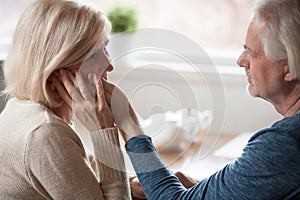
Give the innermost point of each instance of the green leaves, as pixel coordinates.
(122, 19)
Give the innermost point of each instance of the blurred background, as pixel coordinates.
(217, 26)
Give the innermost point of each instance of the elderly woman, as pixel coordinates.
(41, 155)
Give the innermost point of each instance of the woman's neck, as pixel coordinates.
(64, 112)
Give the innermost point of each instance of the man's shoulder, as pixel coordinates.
(289, 125)
(284, 130)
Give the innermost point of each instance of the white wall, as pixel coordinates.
(161, 70)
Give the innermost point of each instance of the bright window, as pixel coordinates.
(216, 25)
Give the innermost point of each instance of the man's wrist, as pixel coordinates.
(130, 132)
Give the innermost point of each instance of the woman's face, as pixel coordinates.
(81, 76)
(97, 62)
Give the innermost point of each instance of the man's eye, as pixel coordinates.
(248, 51)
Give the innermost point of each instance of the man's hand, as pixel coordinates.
(186, 181)
(137, 192)
(122, 110)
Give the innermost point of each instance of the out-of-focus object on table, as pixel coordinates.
(175, 131)
(210, 153)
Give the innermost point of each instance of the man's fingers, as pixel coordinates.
(107, 86)
(108, 98)
(100, 90)
(186, 181)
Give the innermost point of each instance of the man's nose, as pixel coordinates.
(241, 61)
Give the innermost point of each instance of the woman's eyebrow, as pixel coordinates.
(106, 42)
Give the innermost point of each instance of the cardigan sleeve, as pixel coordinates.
(58, 168)
(110, 164)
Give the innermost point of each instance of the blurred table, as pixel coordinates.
(199, 160)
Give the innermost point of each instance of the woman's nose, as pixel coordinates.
(110, 68)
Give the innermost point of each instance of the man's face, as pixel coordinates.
(265, 77)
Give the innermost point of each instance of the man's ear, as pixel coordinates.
(288, 76)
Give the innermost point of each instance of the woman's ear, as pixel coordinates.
(51, 83)
(52, 86)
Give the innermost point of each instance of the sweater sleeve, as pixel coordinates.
(57, 167)
(267, 168)
(110, 164)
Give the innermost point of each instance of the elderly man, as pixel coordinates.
(269, 165)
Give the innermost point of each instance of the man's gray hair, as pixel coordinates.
(281, 35)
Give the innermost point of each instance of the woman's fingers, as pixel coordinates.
(137, 192)
(61, 90)
(79, 94)
(83, 88)
(103, 110)
(68, 81)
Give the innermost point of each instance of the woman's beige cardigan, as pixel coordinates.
(41, 157)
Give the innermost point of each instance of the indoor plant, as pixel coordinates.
(122, 19)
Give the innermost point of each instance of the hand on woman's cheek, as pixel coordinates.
(91, 110)
(124, 115)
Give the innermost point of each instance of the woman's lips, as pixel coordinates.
(104, 75)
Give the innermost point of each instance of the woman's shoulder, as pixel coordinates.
(22, 117)
(54, 137)
(41, 126)
(54, 129)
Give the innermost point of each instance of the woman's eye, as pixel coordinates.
(92, 57)
(106, 52)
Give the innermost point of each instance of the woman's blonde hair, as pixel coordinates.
(51, 34)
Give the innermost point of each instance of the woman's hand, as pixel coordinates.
(137, 192)
(93, 111)
(122, 110)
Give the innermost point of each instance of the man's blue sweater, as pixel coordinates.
(269, 168)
